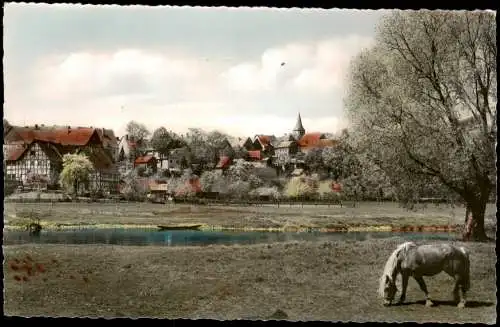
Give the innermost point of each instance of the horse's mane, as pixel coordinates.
(392, 263)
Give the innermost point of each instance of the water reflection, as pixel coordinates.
(197, 238)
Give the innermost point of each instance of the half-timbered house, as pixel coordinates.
(284, 151)
(38, 151)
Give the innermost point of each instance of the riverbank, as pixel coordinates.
(305, 280)
(365, 216)
(368, 228)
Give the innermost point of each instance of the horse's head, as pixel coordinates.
(389, 290)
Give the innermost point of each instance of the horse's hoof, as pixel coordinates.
(429, 303)
(461, 305)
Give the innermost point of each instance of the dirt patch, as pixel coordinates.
(294, 281)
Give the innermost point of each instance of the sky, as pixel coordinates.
(240, 71)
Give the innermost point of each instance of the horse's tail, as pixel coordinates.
(466, 275)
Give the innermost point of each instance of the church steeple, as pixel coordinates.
(299, 130)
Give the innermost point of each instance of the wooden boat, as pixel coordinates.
(179, 227)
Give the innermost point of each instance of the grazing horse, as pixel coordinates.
(417, 261)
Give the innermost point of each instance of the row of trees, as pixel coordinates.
(203, 148)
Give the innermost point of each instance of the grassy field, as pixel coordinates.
(334, 281)
(321, 216)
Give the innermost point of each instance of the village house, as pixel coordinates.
(146, 162)
(225, 148)
(254, 155)
(263, 143)
(290, 149)
(161, 159)
(36, 153)
(284, 151)
(128, 150)
(242, 144)
(6, 127)
(224, 163)
(109, 142)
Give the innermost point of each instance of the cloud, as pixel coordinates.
(160, 87)
(316, 67)
(124, 72)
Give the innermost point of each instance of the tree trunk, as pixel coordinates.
(474, 229)
(467, 213)
(75, 187)
(478, 231)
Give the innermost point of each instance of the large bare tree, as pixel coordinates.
(137, 130)
(422, 103)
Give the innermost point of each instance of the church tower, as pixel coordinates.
(299, 130)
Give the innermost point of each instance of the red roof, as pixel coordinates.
(143, 160)
(309, 139)
(254, 154)
(264, 139)
(223, 162)
(64, 136)
(315, 140)
(14, 152)
(107, 136)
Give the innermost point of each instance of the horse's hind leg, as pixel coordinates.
(459, 292)
(423, 287)
(456, 291)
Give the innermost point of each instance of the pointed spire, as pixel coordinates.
(299, 129)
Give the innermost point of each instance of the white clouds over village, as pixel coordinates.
(179, 88)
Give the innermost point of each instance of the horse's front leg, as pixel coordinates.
(404, 281)
(423, 287)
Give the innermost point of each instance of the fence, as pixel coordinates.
(217, 201)
(256, 202)
(192, 201)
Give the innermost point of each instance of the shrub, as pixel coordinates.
(325, 189)
(210, 180)
(76, 171)
(239, 189)
(271, 192)
(10, 185)
(300, 187)
(132, 191)
(326, 192)
(240, 180)
(187, 185)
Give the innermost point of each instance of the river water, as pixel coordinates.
(200, 238)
